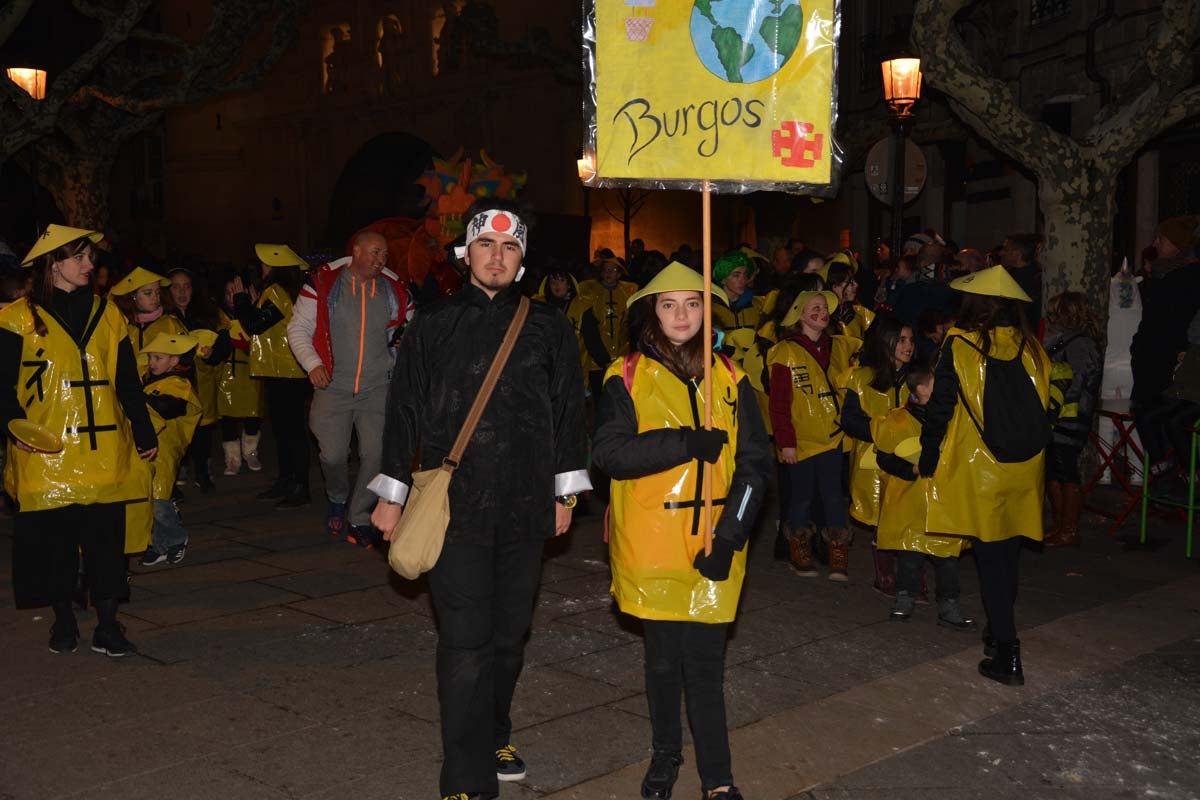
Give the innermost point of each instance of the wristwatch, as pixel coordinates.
(567, 500)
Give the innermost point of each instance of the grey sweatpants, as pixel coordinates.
(333, 416)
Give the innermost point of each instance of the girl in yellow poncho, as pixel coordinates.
(902, 516)
(650, 439)
(139, 296)
(982, 486)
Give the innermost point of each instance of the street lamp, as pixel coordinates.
(901, 90)
(586, 167)
(33, 81)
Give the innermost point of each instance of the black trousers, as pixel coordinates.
(287, 406)
(483, 596)
(46, 551)
(999, 571)
(200, 449)
(945, 570)
(689, 657)
(232, 427)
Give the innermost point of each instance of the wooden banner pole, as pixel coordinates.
(706, 519)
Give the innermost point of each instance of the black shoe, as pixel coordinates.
(177, 553)
(296, 497)
(112, 642)
(661, 774)
(950, 615)
(64, 636)
(277, 490)
(509, 766)
(1005, 666)
(732, 793)
(205, 482)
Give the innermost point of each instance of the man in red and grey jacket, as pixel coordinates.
(345, 321)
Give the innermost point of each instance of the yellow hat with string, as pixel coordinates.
(838, 258)
(137, 279)
(54, 237)
(172, 344)
(993, 282)
(802, 299)
(676, 277)
(750, 252)
(279, 255)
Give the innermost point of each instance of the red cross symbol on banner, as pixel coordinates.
(793, 137)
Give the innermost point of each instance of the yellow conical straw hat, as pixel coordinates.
(172, 344)
(279, 255)
(137, 279)
(56, 236)
(676, 277)
(994, 282)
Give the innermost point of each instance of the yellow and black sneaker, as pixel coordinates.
(509, 766)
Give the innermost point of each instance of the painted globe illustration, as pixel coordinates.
(744, 41)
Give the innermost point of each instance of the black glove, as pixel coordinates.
(705, 445)
(929, 461)
(715, 567)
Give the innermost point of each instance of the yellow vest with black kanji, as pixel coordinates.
(69, 391)
(142, 335)
(903, 506)
(655, 521)
(970, 492)
(239, 395)
(270, 356)
(816, 410)
(866, 483)
(608, 306)
(174, 435)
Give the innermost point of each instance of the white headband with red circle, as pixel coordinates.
(494, 221)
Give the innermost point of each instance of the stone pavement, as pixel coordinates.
(278, 663)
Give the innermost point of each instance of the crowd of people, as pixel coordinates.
(915, 399)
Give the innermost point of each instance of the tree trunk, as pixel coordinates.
(1077, 210)
(81, 190)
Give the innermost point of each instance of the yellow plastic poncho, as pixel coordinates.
(741, 334)
(270, 356)
(174, 435)
(866, 483)
(608, 306)
(971, 493)
(816, 411)
(142, 335)
(239, 395)
(70, 392)
(902, 516)
(654, 521)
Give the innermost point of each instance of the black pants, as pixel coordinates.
(47, 546)
(689, 657)
(200, 449)
(233, 427)
(817, 476)
(945, 570)
(1162, 424)
(483, 596)
(999, 570)
(1062, 462)
(287, 405)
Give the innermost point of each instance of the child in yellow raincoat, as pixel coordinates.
(175, 411)
(902, 515)
(986, 458)
(651, 440)
(139, 296)
(806, 418)
(68, 372)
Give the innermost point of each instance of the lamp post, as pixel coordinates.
(901, 90)
(33, 82)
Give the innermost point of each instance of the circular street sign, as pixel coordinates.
(878, 171)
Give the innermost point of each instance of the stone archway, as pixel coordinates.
(378, 182)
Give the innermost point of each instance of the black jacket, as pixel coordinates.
(532, 429)
(1170, 303)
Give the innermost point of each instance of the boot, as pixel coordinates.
(1068, 526)
(250, 451)
(109, 637)
(782, 551)
(233, 457)
(950, 615)
(661, 775)
(839, 554)
(1005, 666)
(800, 547)
(903, 608)
(64, 633)
(295, 497)
(276, 490)
(885, 571)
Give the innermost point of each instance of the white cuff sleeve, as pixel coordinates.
(388, 488)
(571, 482)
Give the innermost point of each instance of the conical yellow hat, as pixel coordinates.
(135, 280)
(279, 255)
(993, 281)
(171, 344)
(676, 277)
(56, 236)
(793, 314)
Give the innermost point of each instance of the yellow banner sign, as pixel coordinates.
(732, 91)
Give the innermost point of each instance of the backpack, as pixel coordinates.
(1015, 427)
